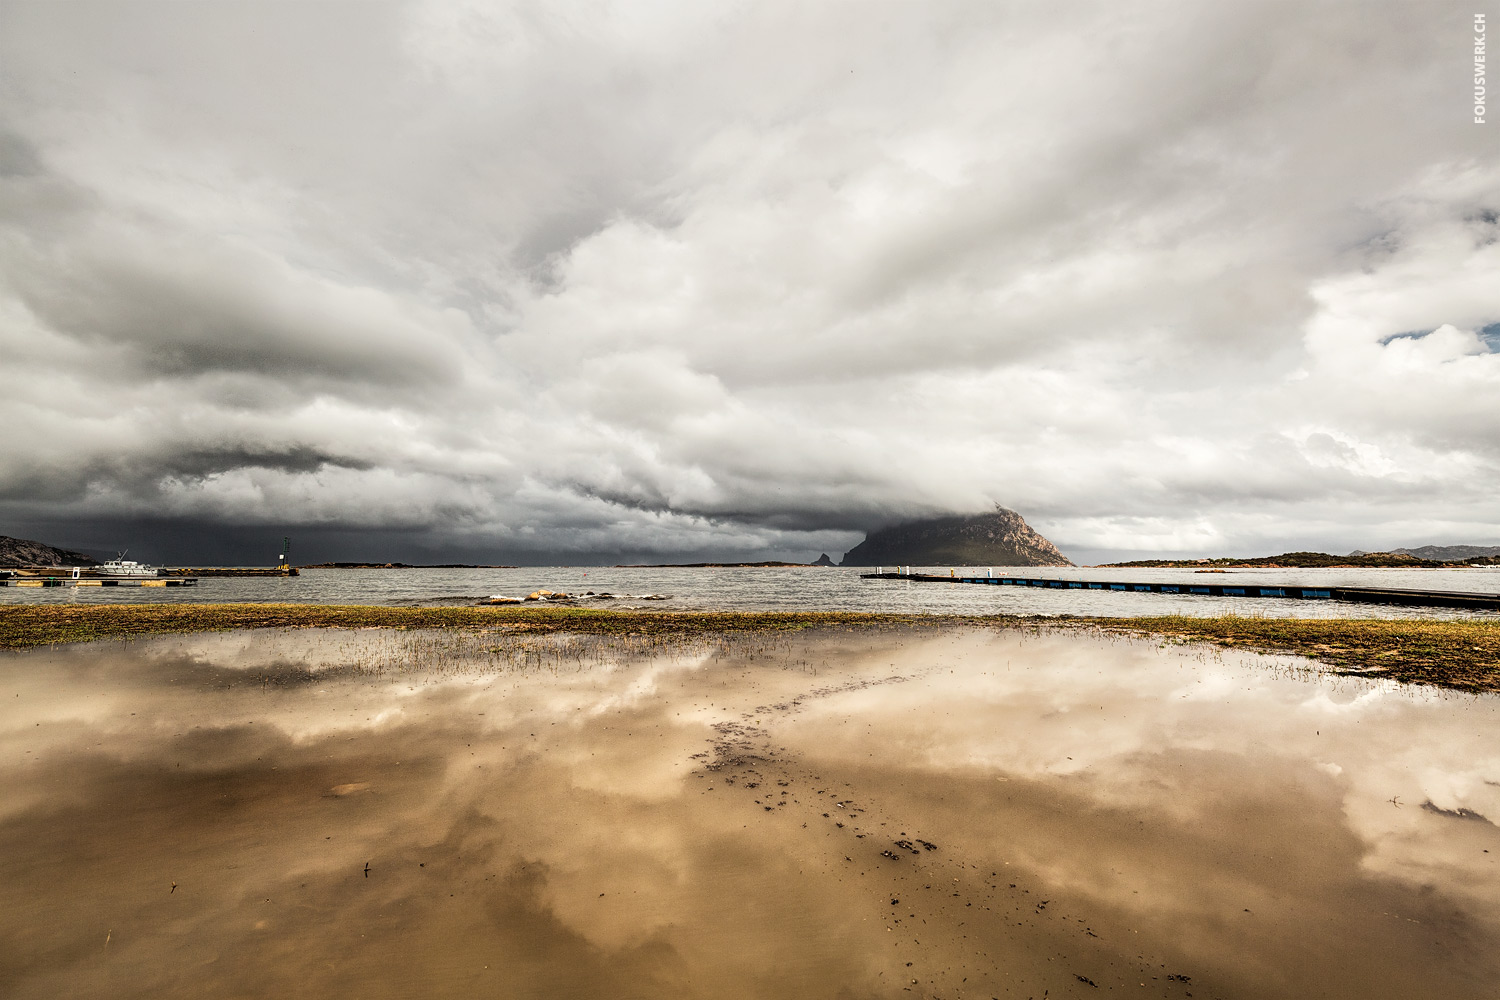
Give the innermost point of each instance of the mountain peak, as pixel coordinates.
(999, 538)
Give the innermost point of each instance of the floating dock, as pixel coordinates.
(167, 577)
(1361, 595)
(68, 581)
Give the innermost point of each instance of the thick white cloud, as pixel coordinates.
(682, 278)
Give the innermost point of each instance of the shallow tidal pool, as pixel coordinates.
(868, 813)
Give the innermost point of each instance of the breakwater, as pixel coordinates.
(230, 571)
(1361, 595)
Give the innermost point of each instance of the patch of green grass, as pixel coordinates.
(1463, 655)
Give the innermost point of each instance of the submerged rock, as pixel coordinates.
(563, 597)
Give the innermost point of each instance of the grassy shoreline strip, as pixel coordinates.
(22, 626)
(1463, 655)
(1460, 655)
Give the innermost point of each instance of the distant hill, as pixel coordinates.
(24, 552)
(1000, 538)
(1292, 560)
(1446, 553)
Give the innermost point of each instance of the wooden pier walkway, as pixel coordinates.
(1361, 595)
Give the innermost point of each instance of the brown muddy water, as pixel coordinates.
(892, 814)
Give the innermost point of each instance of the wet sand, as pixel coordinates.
(946, 813)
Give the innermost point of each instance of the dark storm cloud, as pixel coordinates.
(17, 156)
(191, 313)
(545, 278)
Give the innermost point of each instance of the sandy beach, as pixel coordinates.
(954, 812)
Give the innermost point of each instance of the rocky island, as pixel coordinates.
(999, 538)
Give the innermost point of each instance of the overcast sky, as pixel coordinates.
(594, 281)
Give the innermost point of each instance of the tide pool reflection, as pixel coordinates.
(948, 813)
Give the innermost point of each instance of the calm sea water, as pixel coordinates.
(796, 589)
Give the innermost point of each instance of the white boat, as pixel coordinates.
(122, 567)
